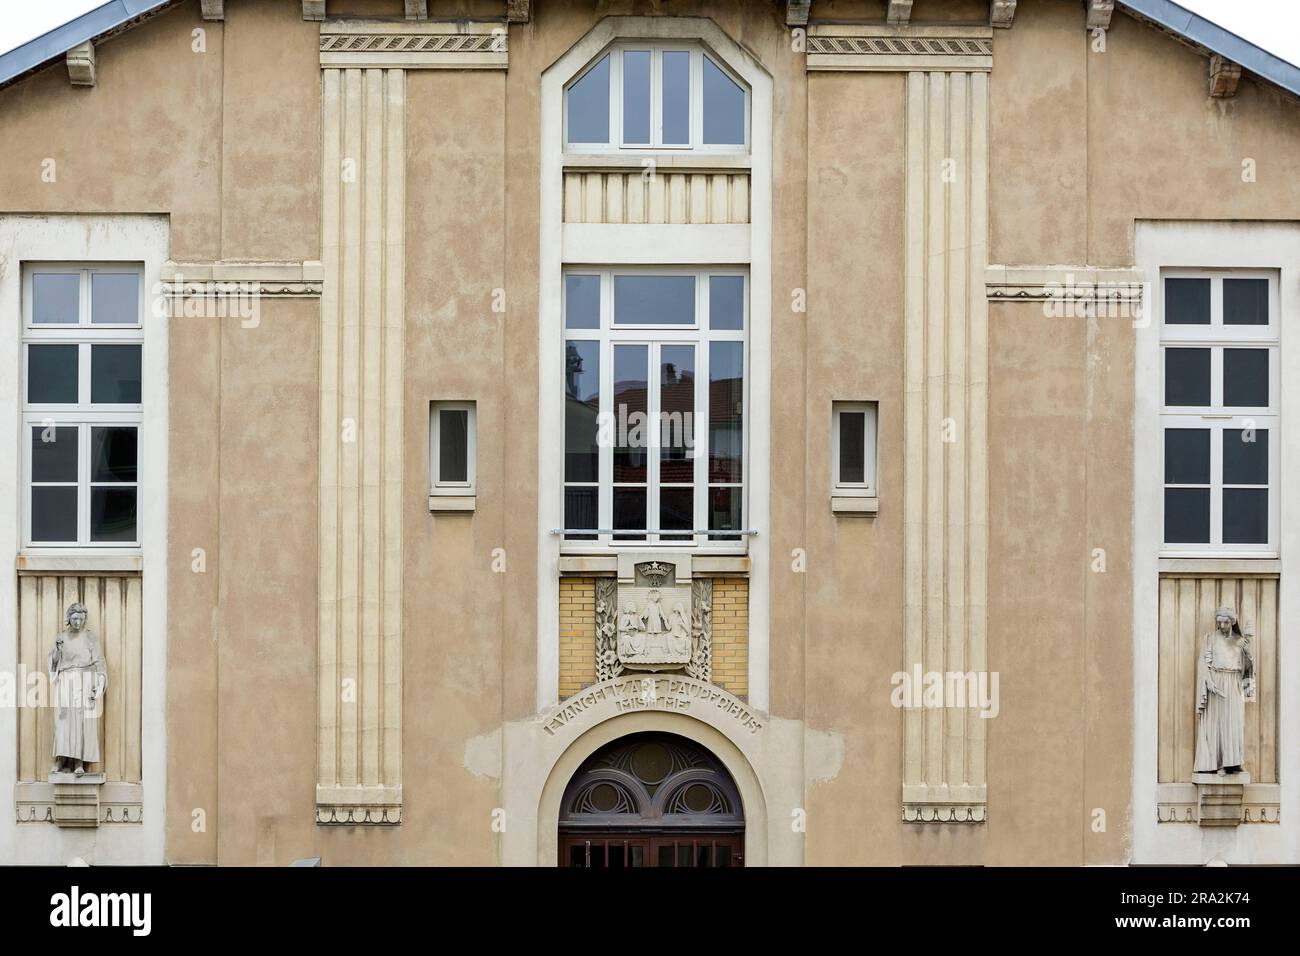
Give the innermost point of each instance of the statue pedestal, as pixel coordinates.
(76, 799)
(1219, 797)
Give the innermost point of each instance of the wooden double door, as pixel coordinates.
(630, 849)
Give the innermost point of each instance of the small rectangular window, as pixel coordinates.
(853, 450)
(452, 452)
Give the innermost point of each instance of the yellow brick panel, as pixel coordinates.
(577, 634)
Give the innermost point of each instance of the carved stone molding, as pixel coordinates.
(1081, 291)
(900, 48)
(313, 9)
(376, 807)
(414, 45)
(81, 64)
(796, 12)
(275, 280)
(701, 664)
(1224, 76)
(1181, 803)
(417, 9)
(1099, 14)
(608, 665)
(1002, 13)
(110, 803)
(518, 11)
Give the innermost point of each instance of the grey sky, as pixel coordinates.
(1271, 24)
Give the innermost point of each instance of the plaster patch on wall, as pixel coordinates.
(823, 755)
(483, 755)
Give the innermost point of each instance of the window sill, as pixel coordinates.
(1225, 565)
(702, 565)
(439, 503)
(80, 563)
(855, 504)
(667, 159)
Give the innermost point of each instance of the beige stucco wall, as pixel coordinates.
(1082, 144)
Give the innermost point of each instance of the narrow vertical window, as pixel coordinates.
(452, 442)
(853, 449)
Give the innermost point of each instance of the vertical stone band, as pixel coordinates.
(945, 442)
(359, 733)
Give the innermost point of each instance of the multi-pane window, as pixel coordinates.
(1220, 387)
(654, 388)
(655, 96)
(82, 404)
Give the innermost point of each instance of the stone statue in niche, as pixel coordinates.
(654, 627)
(1225, 680)
(78, 679)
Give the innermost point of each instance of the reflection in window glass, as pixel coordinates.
(1245, 456)
(453, 445)
(724, 107)
(654, 300)
(113, 454)
(1245, 378)
(56, 298)
(54, 513)
(636, 97)
(1187, 456)
(115, 298)
(1245, 301)
(581, 302)
(582, 411)
(112, 514)
(1187, 377)
(853, 448)
(1187, 301)
(1187, 515)
(726, 401)
(676, 97)
(52, 374)
(115, 374)
(727, 302)
(54, 453)
(587, 106)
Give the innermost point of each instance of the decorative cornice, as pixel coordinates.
(1002, 13)
(1179, 803)
(945, 813)
(899, 48)
(414, 44)
(1066, 283)
(119, 803)
(274, 280)
(352, 815)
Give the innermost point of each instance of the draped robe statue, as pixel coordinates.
(78, 679)
(1225, 680)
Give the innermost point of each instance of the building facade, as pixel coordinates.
(631, 433)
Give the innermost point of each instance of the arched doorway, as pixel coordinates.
(651, 799)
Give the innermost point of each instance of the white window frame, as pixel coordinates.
(438, 487)
(868, 487)
(1215, 418)
(696, 142)
(700, 336)
(82, 414)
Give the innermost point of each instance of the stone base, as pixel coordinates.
(76, 799)
(1220, 797)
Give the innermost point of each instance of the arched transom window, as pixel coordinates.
(656, 96)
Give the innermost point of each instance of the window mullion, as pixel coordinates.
(1216, 483)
